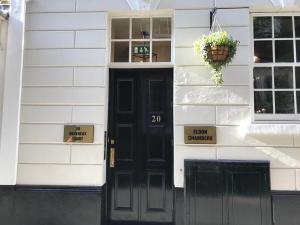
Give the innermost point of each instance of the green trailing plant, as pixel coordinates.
(216, 50)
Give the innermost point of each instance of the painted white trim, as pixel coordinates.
(12, 94)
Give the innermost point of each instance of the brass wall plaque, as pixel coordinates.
(79, 133)
(200, 135)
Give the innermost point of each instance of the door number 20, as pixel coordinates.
(156, 119)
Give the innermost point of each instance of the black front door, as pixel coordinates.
(140, 148)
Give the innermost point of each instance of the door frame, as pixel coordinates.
(106, 140)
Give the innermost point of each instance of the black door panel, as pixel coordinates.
(227, 193)
(141, 127)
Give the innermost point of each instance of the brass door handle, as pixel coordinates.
(112, 158)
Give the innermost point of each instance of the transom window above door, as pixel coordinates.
(276, 67)
(141, 40)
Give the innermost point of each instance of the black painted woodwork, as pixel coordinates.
(31, 205)
(179, 210)
(7, 205)
(40, 205)
(227, 193)
(141, 123)
(286, 207)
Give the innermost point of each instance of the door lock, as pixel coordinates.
(112, 158)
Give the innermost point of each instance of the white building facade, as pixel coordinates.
(65, 64)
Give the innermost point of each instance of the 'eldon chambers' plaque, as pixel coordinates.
(79, 133)
(200, 135)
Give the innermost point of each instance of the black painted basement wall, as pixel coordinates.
(286, 208)
(227, 193)
(50, 206)
(85, 206)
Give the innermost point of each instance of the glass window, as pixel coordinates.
(262, 77)
(276, 70)
(298, 101)
(120, 51)
(161, 28)
(284, 51)
(284, 101)
(283, 77)
(141, 28)
(141, 40)
(262, 27)
(298, 50)
(120, 29)
(263, 102)
(297, 72)
(263, 51)
(161, 51)
(283, 27)
(140, 51)
(297, 26)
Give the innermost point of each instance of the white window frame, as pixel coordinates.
(273, 118)
(150, 15)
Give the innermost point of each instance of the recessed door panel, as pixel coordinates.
(140, 132)
(125, 95)
(125, 144)
(156, 191)
(124, 190)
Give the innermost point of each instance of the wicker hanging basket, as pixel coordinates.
(218, 53)
(216, 50)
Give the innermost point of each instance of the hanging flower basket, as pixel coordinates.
(216, 50)
(218, 53)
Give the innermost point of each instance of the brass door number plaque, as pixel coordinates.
(79, 133)
(200, 135)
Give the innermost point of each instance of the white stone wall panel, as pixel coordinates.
(54, 174)
(66, 21)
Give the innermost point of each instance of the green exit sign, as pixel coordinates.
(141, 49)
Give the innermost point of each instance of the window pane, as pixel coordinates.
(298, 50)
(120, 29)
(263, 52)
(120, 51)
(297, 71)
(298, 101)
(141, 28)
(140, 51)
(161, 51)
(262, 77)
(283, 26)
(161, 27)
(262, 27)
(263, 102)
(284, 102)
(283, 77)
(284, 51)
(297, 26)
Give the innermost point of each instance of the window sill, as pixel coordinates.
(272, 129)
